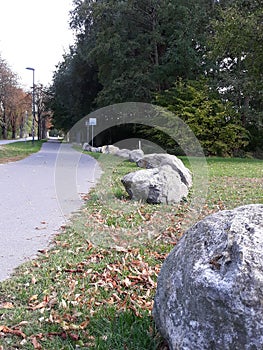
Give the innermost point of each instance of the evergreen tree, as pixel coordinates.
(236, 47)
(216, 125)
(139, 47)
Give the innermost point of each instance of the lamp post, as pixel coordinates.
(33, 104)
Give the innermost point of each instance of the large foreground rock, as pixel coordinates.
(210, 288)
(155, 186)
(156, 160)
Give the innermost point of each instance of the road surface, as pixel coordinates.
(5, 142)
(38, 194)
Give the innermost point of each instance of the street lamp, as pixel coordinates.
(33, 104)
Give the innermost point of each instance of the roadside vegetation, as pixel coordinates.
(94, 287)
(199, 59)
(18, 150)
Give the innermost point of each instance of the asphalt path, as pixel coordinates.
(5, 142)
(38, 195)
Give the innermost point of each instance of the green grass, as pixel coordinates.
(18, 150)
(235, 167)
(235, 182)
(94, 289)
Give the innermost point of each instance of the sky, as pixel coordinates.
(36, 34)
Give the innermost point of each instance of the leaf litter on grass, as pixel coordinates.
(102, 269)
(122, 280)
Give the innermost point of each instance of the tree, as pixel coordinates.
(7, 81)
(236, 46)
(216, 125)
(42, 111)
(72, 94)
(130, 50)
(139, 47)
(16, 105)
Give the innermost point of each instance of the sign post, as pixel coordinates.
(87, 125)
(92, 122)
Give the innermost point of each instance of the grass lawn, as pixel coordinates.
(94, 288)
(18, 150)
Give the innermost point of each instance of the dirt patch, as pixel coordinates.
(10, 159)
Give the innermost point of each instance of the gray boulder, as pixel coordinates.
(86, 146)
(156, 160)
(136, 155)
(123, 153)
(109, 149)
(210, 288)
(155, 186)
(104, 149)
(89, 148)
(95, 149)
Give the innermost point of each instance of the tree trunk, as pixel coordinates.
(13, 132)
(21, 131)
(245, 111)
(155, 43)
(43, 128)
(4, 128)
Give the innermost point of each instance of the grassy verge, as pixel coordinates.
(94, 288)
(18, 150)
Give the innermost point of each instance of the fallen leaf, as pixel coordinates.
(33, 297)
(22, 323)
(73, 336)
(36, 344)
(6, 305)
(8, 330)
(42, 251)
(41, 305)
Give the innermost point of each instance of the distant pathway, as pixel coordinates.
(5, 142)
(37, 195)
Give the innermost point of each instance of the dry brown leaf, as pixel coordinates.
(33, 297)
(22, 323)
(8, 330)
(73, 336)
(6, 305)
(33, 280)
(36, 344)
(43, 251)
(41, 305)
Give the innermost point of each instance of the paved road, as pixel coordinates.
(37, 196)
(5, 142)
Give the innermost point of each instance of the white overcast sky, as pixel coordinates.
(34, 33)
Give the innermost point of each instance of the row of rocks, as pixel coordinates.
(131, 155)
(164, 178)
